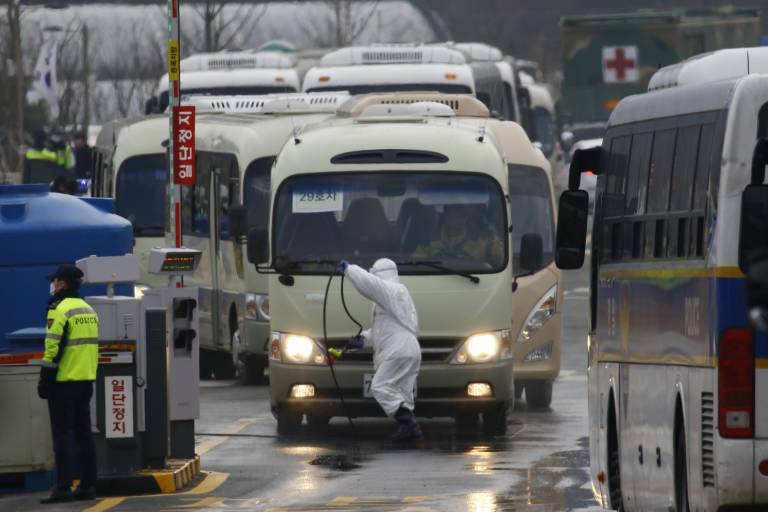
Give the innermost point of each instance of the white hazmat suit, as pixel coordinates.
(393, 334)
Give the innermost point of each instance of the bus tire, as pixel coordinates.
(614, 461)
(318, 422)
(288, 421)
(206, 364)
(495, 420)
(250, 371)
(466, 422)
(681, 466)
(538, 394)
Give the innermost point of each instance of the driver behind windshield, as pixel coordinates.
(463, 235)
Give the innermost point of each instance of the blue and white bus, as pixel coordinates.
(677, 378)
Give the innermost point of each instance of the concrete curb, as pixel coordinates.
(179, 474)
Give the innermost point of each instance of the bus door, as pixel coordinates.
(224, 192)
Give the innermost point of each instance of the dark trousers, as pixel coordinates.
(69, 405)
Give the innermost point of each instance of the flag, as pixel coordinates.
(43, 88)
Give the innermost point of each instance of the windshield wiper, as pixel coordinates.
(438, 265)
(283, 264)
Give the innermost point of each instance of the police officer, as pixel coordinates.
(66, 381)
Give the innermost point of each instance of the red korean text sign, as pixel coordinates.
(184, 145)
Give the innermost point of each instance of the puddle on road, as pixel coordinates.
(338, 462)
(557, 482)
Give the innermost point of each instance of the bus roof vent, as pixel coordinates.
(392, 54)
(237, 60)
(464, 105)
(712, 67)
(421, 108)
(285, 103)
(480, 52)
(390, 156)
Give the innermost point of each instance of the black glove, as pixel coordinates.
(46, 382)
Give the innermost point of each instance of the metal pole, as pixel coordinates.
(174, 86)
(14, 11)
(86, 82)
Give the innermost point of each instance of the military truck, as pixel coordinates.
(609, 56)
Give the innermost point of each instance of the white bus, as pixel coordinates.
(536, 317)
(230, 73)
(677, 379)
(131, 166)
(391, 68)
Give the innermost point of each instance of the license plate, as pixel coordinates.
(368, 380)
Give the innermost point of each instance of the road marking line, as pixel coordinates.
(415, 499)
(234, 428)
(211, 482)
(341, 500)
(105, 504)
(211, 501)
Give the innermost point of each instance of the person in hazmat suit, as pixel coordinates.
(393, 336)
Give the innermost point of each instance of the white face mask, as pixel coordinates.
(53, 288)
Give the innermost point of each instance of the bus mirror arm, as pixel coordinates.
(584, 160)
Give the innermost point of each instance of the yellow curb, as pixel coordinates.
(178, 476)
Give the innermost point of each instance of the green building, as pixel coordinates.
(610, 56)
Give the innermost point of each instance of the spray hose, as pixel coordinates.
(332, 353)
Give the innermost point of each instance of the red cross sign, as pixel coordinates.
(620, 64)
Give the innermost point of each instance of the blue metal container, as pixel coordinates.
(39, 230)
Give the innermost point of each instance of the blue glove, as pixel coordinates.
(343, 264)
(356, 342)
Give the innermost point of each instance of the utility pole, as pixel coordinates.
(174, 102)
(14, 20)
(86, 81)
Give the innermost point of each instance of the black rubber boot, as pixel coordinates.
(59, 496)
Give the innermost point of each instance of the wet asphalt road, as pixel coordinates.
(540, 465)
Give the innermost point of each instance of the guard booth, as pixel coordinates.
(146, 397)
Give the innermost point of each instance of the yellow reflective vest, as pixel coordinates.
(73, 320)
(41, 154)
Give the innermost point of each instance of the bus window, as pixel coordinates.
(531, 207)
(684, 168)
(661, 171)
(256, 192)
(703, 167)
(229, 190)
(196, 199)
(639, 160)
(140, 194)
(544, 130)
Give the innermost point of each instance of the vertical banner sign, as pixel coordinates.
(184, 145)
(179, 172)
(118, 406)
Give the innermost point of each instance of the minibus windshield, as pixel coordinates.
(450, 221)
(140, 196)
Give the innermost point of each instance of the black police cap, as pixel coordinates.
(69, 273)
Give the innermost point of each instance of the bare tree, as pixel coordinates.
(222, 26)
(350, 19)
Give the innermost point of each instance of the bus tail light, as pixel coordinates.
(736, 383)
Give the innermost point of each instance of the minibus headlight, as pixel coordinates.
(539, 315)
(257, 306)
(484, 348)
(296, 349)
(139, 290)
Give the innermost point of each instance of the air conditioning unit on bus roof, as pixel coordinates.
(392, 54)
(237, 60)
(464, 105)
(710, 67)
(268, 103)
(480, 52)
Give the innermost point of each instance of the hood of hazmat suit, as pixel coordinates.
(394, 331)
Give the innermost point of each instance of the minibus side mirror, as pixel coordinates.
(150, 106)
(566, 140)
(584, 160)
(238, 222)
(531, 252)
(258, 246)
(571, 237)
